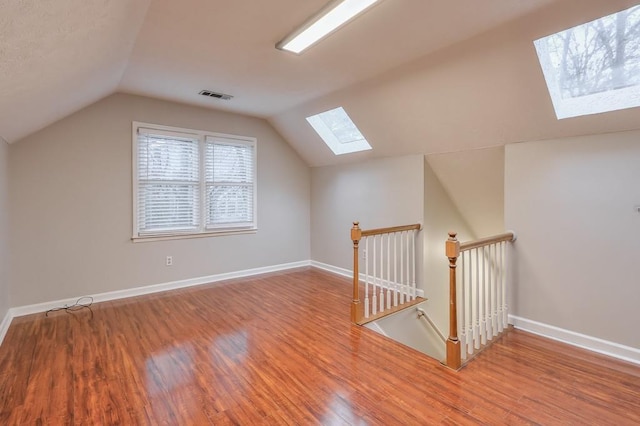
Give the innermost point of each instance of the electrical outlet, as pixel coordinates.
(169, 260)
(364, 254)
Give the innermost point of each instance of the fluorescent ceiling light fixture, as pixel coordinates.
(594, 67)
(338, 131)
(333, 16)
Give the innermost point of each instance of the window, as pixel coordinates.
(338, 131)
(594, 67)
(190, 182)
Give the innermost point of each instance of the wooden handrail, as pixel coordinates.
(379, 231)
(469, 245)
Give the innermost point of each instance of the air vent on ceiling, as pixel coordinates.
(215, 95)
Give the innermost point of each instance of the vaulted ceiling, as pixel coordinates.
(416, 76)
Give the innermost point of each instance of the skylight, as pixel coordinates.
(338, 131)
(594, 67)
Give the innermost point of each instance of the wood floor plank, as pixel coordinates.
(279, 349)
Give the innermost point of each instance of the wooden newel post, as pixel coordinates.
(356, 307)
(452, 248)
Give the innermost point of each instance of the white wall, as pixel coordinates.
(440, 216)
(71, 205)
(4, 229)
(378, 193)
(571, 203)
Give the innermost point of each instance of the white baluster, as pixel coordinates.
(496, 263)
(505, 308)
(401, 268)
(476, 303)
(414, 292)
(489, 295)
(499, 287)
(483, 299)
(503, 324)
(395, 270)
(366, 277)
(468, 288)
(487, 292)
(408, 266)
(382, 283)
(461, 308)
(502, 284)
(388, 271)
(481, 334)
(496, 307)
(374, 297)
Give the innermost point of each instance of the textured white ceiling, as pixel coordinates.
(228, 46)
(57, 56)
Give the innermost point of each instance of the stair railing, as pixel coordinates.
(424, 315)
(388, 282)
(478, 311)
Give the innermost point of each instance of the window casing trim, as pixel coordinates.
(202, 137)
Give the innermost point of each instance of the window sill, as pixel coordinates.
(149, 238)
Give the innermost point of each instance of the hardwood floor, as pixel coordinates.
(279, 349)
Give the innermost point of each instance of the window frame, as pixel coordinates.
(599, 102)
(331, 139)
(203, 229)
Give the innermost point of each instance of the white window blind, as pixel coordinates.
(229, 171)
(192, 182)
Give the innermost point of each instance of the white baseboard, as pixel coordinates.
(349, 274)
(156, 288)
(333, 269)
(4, 325)
(605, 347)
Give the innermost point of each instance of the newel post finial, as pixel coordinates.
(452, 247)
(356, 233)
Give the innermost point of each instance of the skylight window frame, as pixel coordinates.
(591, 103)
(331, 139)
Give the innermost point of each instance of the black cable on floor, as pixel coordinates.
(79, 305)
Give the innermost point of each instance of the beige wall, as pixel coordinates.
(571, 203)
(4, 229)
(71, 205)
(474, 180)
(378, 193)
(440, 216)
(407, 328)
